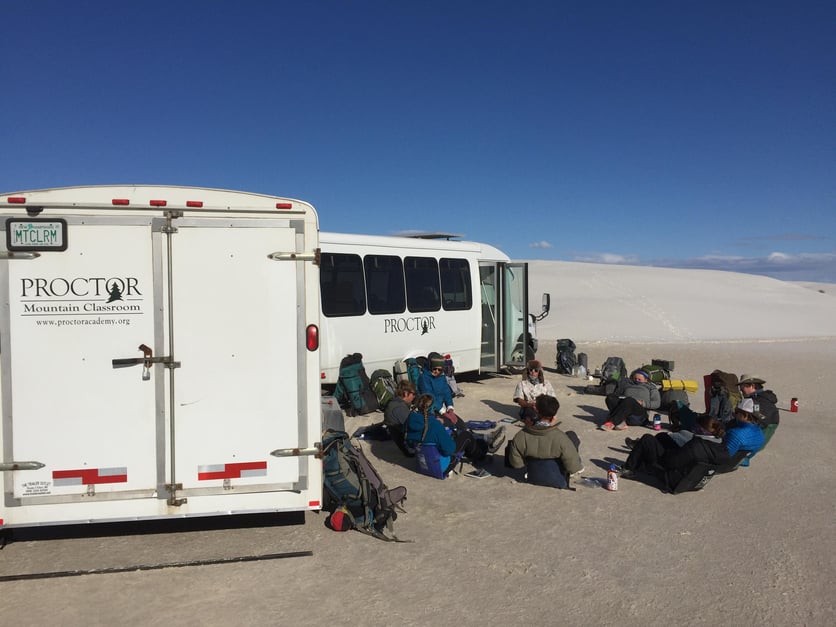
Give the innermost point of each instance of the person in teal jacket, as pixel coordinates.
(433, 382)
(424, 427)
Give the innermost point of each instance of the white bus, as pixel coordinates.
(389, 298)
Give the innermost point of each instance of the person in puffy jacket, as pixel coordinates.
(547, 453)
(629, 405)
(765, 403)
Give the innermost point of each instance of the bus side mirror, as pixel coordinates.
(547, 305)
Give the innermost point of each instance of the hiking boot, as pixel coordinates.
(496, 439)
(630, 443)
(493, 448)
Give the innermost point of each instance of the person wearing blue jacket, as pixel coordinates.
(744, 434)
(433, 382)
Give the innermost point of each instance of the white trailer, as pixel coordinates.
(156, 344)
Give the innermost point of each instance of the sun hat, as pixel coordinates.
(750, 378)
(748, 405)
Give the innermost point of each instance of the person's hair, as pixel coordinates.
(547, 406)
(423, 403)
(404, 388)
(712, 425)
(747, 416)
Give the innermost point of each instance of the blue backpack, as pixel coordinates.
(413, 369)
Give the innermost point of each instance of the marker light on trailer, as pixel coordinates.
(312, 337)
(120, 201)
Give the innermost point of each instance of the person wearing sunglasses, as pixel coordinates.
(433, 382)
(532, 385)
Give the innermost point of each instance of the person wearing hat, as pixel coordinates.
(548, 454)
(743, 433)
(434, 383)
(631, 405)
(766, 403)
(532, 385)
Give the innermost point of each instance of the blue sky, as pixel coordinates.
(684, 134)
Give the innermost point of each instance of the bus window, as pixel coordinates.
(456, 294)
(341, 285)
(422, 292)
(384, 284)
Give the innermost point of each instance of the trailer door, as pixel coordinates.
(68, 314)
(237, 337)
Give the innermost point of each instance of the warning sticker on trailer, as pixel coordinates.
(36, 488)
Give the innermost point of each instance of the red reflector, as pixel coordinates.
(158, 203)
(120, 201)
(321, 375)
(312, 337)
(310, 504)
(18, 200)
(284, 205)
(194, 203)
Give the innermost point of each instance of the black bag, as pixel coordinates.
(566, 359)
(352, 484)
(353, 390)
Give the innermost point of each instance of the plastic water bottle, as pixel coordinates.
(657, 422)
(582, 371)
(612, 478)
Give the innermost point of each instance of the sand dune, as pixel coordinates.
(614, 303)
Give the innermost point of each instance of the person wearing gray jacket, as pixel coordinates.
(630, 404)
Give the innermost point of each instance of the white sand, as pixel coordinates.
(755, 547)
(606, 303)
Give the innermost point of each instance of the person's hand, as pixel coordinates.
(641, 403)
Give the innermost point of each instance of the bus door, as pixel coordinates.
(504, 296)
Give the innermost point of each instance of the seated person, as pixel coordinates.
(629, 405)
(766, 403)
(433, 382)
(743, 432)
(656, 454)
(547, 452)
(396, 413)
(533, 384)
(424, 427)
